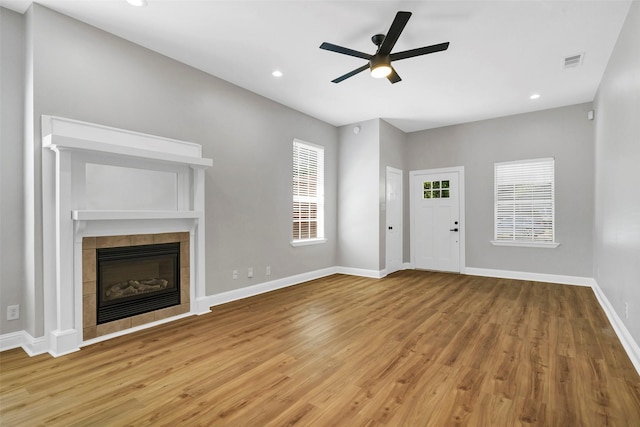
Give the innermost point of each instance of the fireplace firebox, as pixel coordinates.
(136, 279)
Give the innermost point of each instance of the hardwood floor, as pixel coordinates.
(413, 349)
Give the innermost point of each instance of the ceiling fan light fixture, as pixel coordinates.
(380, 66)
(381, 71)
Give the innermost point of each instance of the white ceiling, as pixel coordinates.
(500, 53)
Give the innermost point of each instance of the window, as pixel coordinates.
(308, 193)
(524, 203)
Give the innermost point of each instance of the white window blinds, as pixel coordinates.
(308, 191)
(524, 201)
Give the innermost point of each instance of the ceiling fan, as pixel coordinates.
(380, 62)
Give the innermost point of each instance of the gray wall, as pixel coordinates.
(358, 204)
(563, 133)
(12, 67)
(84, 73)
(77, 71)
(617, 177)
(392, 143)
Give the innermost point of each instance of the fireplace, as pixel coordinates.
(123, 281)
(160, 200)
(134, 280)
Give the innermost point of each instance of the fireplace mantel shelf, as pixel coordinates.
(72, 135)
(102, 215)
(73, 144)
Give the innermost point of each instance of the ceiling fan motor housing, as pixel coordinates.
(378, 60)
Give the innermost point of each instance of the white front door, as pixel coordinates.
(435, 220)
(394, 220)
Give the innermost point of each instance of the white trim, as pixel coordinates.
(524, 244)
(34, 346)
(22, 339)
(92, 215)
(373, 274)
(71, 134)
(629, 344)
(535, 277)
(133, 329)
(11, 340)
(302, 142)
(261, 288)
(307, 242)
(63, 342)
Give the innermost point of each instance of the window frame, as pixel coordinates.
(318, 198)
(538, 171)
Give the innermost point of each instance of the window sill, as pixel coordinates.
(525, 244)
(307, 242)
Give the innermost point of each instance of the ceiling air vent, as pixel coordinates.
(573, 61)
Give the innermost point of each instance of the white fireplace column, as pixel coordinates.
(86, 157)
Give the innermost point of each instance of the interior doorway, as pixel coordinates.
(394, 229)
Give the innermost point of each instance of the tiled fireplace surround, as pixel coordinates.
(82, 212)
(89, 288)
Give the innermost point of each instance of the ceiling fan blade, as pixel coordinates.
(394, 32)
(393, 77)
(419, 51)
(350, 74)
(344, 50)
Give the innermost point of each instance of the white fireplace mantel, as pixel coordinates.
(84, 154)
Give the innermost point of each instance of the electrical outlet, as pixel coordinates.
(268, 272)
(13, 312)
(235, 274)
(250, 272)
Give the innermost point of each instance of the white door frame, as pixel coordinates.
(400, 225)
(463, 224)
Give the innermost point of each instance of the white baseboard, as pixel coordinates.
(373, 274)
(34, 346)
(11, 340)
(536, 277)
(261, 288)
(22, 339)
(629, 344)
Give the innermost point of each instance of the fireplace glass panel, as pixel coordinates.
(137, 279)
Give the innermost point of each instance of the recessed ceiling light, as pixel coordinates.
(137, 3)
(535, 96)
(277, 73)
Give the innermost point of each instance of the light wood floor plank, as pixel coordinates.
(414, 349)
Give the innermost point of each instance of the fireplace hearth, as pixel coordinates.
(134, 280)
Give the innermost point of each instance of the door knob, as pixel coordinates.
(453, 229)
(390, 228)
